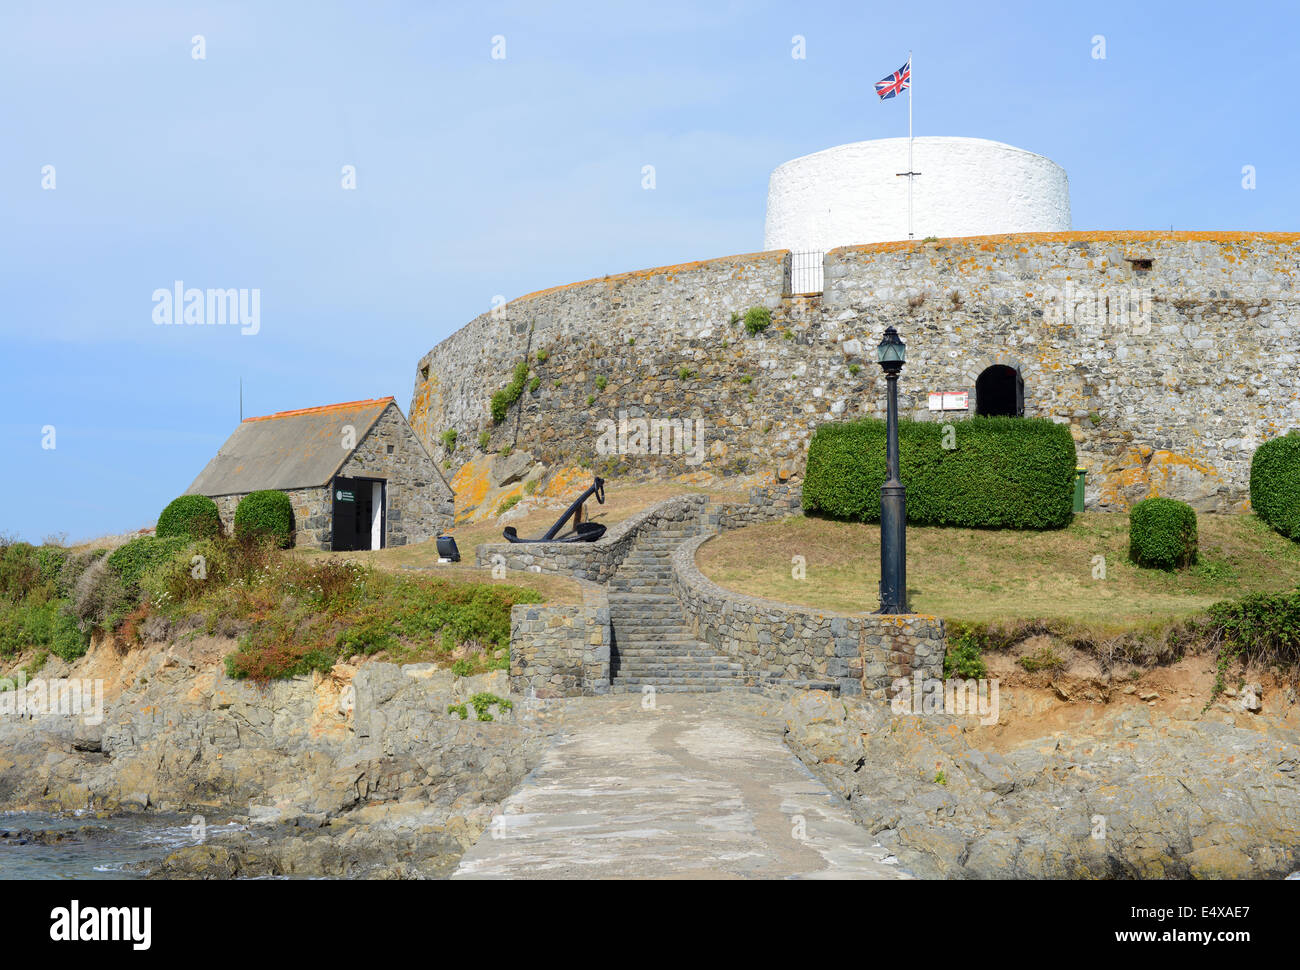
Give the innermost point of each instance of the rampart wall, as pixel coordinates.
(1171, 356)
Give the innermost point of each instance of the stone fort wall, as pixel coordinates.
(1171, 356)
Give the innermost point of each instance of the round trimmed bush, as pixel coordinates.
(1275, 484)
(191, 516)
(265, 513)
(1162, 534)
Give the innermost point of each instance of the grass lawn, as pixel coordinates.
(421, 559)
(977, 575)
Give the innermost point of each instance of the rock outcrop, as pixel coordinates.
(1135, 795)
(369, 756)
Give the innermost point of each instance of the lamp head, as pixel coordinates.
(892, 352)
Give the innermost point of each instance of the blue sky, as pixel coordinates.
(477, 177)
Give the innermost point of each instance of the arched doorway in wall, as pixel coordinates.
(1000, 392)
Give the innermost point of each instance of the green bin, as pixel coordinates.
(1079, 475)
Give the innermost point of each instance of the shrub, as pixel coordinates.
(20, 569)
(601, 382)
(963, 658)
(265, 513)
(449, 439)
(483, 438)
(1013, 473)
(51, 560)
(100, 598)
(757, 319)
(1261, 628)
(1162, 534)
(1044, 658)
(482, 701)
(135, 558)
(509, 394)
(41, 626)
(73, 568)
(1275, 484)
(192, 516)
(508, 503)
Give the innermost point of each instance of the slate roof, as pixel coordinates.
(290, 449)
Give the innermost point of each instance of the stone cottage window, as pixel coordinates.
(1000, 392)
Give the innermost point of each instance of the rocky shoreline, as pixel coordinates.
(1128, 794)
(366, 773)
(361, 773)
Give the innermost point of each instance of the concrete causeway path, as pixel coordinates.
(699, 787)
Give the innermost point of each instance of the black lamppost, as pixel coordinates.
(893, 503)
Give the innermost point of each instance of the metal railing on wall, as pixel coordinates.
(806, 272)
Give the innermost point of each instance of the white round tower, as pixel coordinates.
(854, 194)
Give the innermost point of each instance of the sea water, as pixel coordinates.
(118, 847)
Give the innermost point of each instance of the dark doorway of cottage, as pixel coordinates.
(1000, 393)
(358, 513)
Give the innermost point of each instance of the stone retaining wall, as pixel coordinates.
(860, 653)
(767, 503)
(560, 651)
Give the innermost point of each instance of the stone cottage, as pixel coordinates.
(356, 474)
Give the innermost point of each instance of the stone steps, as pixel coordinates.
(653, 646)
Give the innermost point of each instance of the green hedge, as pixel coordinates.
(192, 516)
(1275, 484)
(265, 513)
(1013, 473)
(1162, 533)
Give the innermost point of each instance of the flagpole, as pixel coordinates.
(910, 169)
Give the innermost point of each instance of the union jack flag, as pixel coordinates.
(896, 83)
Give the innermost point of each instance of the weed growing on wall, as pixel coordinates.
(757, 319)
(503, 399)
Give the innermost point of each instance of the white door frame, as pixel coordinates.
(377, 515)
